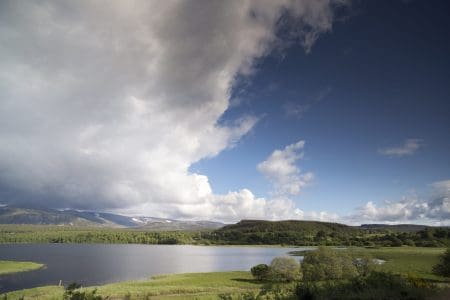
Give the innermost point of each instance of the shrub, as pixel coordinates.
(285, 269)
(325, 263)
(260, 272)
(72, 292)
(442, 268)
(364, 264)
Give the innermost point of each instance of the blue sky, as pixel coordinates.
(333, 110)
(379, 78)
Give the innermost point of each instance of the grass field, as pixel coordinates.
(8, 267)
(178, 286)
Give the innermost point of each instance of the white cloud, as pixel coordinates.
(409, 147)
(282, 170)
(107, 105)
(434, 209)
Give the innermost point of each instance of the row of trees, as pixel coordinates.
(105, 236)
(311, 236)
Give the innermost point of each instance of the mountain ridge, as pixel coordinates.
(71, 217)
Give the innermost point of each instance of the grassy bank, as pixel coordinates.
(179, 286)
(415, 261)
(8, 267)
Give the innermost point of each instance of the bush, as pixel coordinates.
(325, 263)
(285, 269)
(442, 268)
(364, 264)
(260, 272)
(72, 292)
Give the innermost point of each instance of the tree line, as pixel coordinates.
(310, 236)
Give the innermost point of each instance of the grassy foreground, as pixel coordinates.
(8, 267)
(178, 286)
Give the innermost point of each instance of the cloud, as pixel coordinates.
(281, 169)
(435, 209)
(409, 147)
(106, 105)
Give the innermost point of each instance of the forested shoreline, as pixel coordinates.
(289, 233)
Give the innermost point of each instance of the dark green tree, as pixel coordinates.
(442, 268)
(260, 272)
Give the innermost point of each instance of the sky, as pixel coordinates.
(331, 110)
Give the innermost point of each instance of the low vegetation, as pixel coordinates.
(8, 267)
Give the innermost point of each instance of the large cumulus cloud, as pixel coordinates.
(106, 104)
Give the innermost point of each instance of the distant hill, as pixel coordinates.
(18, 215)
(250, 226)
(313, 233)
(43, 216)
(167, 224)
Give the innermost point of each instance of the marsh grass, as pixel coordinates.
(8, 267)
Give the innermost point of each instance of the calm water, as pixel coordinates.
(99, 264)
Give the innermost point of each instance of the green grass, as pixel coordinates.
(415, 261)
(178, 286)
(44, 292)
(8, 267)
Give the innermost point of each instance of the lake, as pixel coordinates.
(95, 264)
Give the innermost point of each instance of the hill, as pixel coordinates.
(311, 233)
(252, 226)
(75, 218)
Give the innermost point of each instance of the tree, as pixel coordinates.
(260, 272)
(285, 269)
(442, 268)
